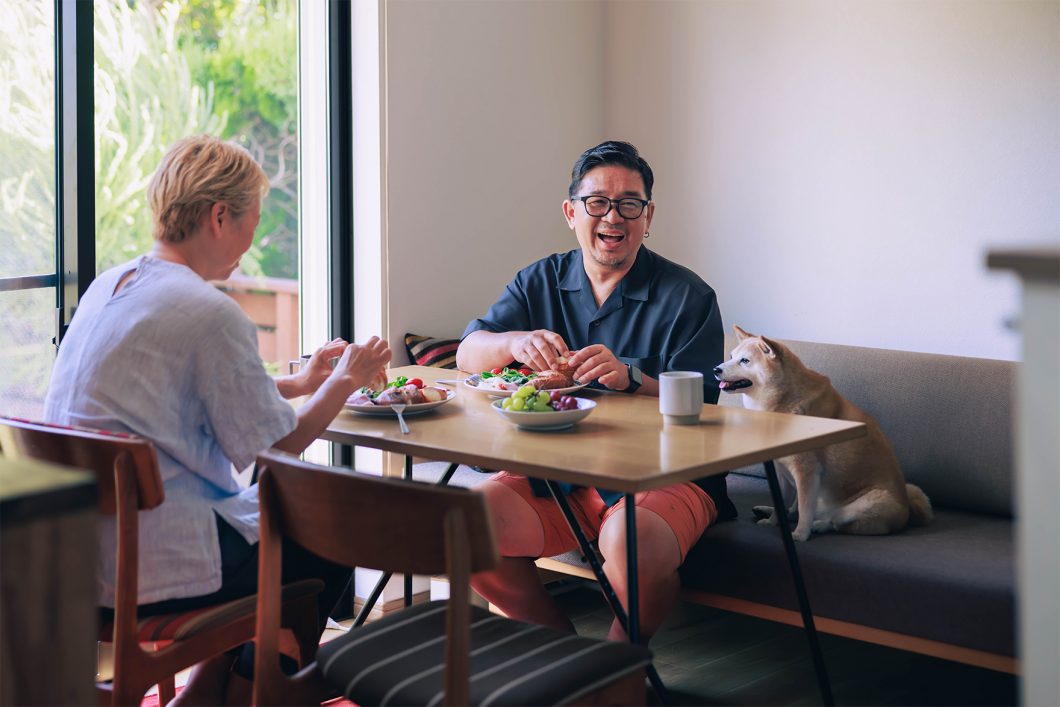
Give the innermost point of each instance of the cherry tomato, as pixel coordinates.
(496, 371)
(416, 382)
(525, 371)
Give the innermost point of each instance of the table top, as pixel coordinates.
(622, 445)
(31, 489)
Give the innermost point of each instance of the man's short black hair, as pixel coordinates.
(610, 152)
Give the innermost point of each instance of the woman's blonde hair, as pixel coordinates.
(196, 173)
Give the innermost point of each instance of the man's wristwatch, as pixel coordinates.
(636, 378)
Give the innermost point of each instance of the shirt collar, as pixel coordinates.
(634, 285)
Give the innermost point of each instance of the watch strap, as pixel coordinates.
(635, 378)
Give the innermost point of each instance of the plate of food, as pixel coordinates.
(502, 382)
(543, 411)
(417, 397)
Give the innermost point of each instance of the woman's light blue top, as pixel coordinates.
(172, 359)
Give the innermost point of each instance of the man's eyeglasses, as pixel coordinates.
(598, 206)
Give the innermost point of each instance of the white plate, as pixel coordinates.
(386, 411)
(545, 421)
(471, 383)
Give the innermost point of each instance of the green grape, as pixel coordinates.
(526, 391)
(517, 404)
(538, 406)
(506, 403)
(543, 397)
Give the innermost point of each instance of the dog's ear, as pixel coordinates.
(769, 348)
(740, 333)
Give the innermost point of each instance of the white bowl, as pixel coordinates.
(545, 421)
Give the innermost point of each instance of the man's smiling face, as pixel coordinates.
(609, 241)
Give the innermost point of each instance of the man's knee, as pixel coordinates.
(658, 550)
(517, 527)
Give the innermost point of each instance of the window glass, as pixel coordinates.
(27, 203)
(228, 68)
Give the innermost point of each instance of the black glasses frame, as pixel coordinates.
(615, 204)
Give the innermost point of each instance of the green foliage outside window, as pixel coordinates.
(163, 71)
(247, 50)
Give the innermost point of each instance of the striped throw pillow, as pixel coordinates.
(428, 351)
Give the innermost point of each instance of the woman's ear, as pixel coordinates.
(219, 211)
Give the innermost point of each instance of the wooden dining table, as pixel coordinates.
(623, 446)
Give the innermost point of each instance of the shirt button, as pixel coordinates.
(596, 323)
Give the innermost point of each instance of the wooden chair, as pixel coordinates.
(437, 652)
(126, 469)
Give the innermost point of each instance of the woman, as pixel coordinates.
(155, 350)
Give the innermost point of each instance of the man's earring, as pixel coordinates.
(646, 234)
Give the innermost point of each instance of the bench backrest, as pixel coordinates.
(948, 417)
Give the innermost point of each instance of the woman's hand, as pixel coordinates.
(363, 364)
(358, 366)
(319, 367)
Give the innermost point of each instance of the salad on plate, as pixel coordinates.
(410, 391)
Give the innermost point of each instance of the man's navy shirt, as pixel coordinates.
(660, 317)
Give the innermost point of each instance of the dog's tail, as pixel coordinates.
(920, 512)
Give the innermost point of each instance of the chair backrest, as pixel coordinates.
(128, 478)
(98, 452)
(366, 521)
(359, 520)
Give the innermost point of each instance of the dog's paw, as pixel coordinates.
(822, 526)
(771, 520)
(762, 512)
(801, 534)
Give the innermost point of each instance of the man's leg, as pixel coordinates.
(658, 557)
(515, 586)
(669, 522)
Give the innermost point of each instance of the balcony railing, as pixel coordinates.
(272, 304)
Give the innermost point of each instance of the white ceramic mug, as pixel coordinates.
(297, 365)
(681, 396)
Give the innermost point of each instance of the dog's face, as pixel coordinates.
(754, 363)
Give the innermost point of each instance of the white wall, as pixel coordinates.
(837, 170)
(489, 103)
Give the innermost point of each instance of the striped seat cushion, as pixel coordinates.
(399, 660)
(182, 626)
(428, 351)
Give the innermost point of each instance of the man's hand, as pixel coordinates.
(538, 349)
(597, 362)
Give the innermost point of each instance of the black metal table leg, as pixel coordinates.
(800, 588)
(605, 584)
(632, 592)
(377, 590)
(408, 577)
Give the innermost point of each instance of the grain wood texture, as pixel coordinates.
(127, 473)
(348, 518)
(623, 445)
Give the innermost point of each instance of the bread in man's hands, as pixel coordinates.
(561, 376)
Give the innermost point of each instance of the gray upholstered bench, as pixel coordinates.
(947, 589)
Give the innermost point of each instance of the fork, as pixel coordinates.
(399, 408)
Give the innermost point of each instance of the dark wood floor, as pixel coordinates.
(711, 657)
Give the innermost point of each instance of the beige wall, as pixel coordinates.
(488, 104)
(835, 169)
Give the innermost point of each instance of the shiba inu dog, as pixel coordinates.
(852, 487)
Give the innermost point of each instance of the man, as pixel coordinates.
(621, 315)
